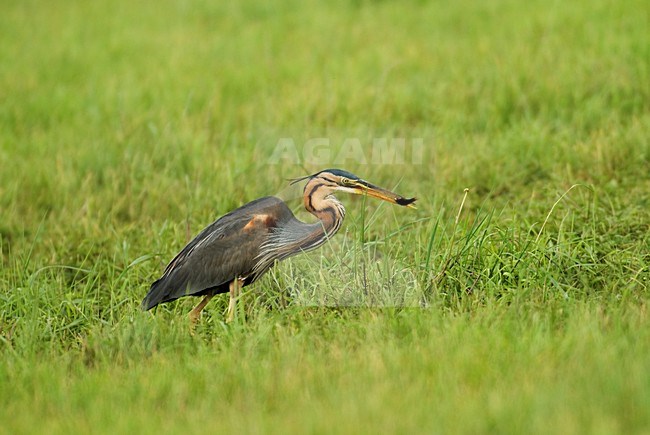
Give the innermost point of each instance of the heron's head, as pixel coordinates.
(338, 180)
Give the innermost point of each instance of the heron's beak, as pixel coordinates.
(365, 188)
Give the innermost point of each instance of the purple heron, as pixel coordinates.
(238, 248)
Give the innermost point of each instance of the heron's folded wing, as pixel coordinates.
(224, 250)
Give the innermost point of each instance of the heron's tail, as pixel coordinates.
(158, 293)
(171, 286)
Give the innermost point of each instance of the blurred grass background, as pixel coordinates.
(126, 127)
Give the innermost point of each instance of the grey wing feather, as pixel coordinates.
(220, 253)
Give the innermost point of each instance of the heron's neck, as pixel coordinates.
(320, 202)
(295, 236)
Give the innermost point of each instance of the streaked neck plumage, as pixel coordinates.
(295, 236)
(319, 200)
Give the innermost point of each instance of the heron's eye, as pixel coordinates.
(346, 181)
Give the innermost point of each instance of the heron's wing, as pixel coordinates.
(223, 251)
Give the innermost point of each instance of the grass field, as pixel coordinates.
(126, 127)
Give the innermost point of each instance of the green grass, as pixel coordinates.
(126, 127)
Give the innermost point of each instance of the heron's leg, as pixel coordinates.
(196, 312)
(235, 287)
